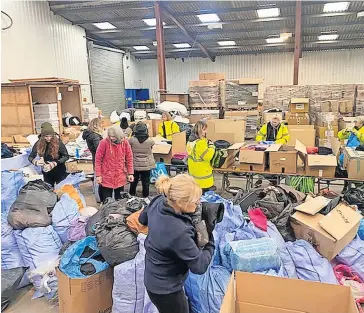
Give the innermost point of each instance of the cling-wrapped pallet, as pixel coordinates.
(280, 96)
(359, 101)
(204, 94)
(241, 96)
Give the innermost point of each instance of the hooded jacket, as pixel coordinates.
(167, 129)
(171, 249)
(142, 154)
(359, 133)
(200, 153)
(281, 136)
(92, 139)
(113, 162)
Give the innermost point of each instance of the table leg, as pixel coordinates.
(319, 184)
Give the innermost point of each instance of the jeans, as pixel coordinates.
(105, 193)
(144, 176)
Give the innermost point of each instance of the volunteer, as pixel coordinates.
(171, 250)
(168, 127)
(125, 127)
(52, 155)
(274, 131)
(141, 145)
(113, 164)
(200, 152)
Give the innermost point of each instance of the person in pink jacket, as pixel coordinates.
(113, 164)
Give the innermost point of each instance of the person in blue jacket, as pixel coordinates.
(171, 250)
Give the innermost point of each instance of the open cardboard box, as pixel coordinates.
(251, 160)
(354, 163)
(328, 234)
(163, 151)
(282, 159)
(256, 293)
(303, 133)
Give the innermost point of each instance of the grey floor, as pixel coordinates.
(23, 302)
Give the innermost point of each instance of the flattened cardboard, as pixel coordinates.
(232, 131)
(303, 133)
(313, 206)
(232, 152)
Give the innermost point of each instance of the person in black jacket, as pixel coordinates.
(92, 135)
(171, 248)
(52, 155)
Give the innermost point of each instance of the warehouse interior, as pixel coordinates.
(260, 103)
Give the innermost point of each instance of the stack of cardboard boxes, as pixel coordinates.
(359, 102)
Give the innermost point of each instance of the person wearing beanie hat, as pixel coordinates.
(113, 164)
(50, 154)
(124, 125)
(141, 145)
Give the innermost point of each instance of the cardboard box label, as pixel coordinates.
(241, 102)
(300, 106)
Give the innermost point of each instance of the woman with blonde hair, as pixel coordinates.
(200, 153)
(168, 127)
(93, 136)
(171, 250)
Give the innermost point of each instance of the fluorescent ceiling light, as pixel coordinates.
(227, 43)
(105, 25)
(285, 36)
(155, 43)
(336, 7)
(141, 48)
(360, 14)
(151, 21)
(209, 18)
(275, 40)
(328, 37)
(182, 45)
(272, 12)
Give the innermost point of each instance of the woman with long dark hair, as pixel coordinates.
(52, 155)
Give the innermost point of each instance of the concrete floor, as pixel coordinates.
(23, 302)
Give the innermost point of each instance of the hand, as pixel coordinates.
(46, 168)
(130, 178)
(40, 162)
(99, 180)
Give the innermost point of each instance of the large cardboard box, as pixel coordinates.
(211, 76)
(304, 133)
(330, 106)
(163, 151)
(232, 131)
(297, 118)
(299, 105)
(323, 132)
(346, 106)
(284, 160)
(92, 294)
(328, 234)
(240, 115)
(347, 122)
(251, 160)
(354, 163)
(255, 293)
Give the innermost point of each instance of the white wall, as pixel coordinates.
(321, 67)
(40, 44)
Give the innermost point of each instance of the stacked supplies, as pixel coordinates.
(46, 113)
(90, 111)
(280, 96)
(239, 95)
(359, 104)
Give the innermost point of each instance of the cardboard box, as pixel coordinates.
(251, 160)
(299, 105)
(267, 116)
(328, 234)
(232, 131)
(211, 76)
(232, 152)
(354, 163)
(304, 133)
(85, 295)
(324, 132)
(330, 106)
(282, 159)
(240, 115)
(313, 205)
(346, 106)
(347, 122)
(255, 293)
(163, 152)
(323, 142)
(7, 139)
(326, 118)
(20, 139)
(297, 118)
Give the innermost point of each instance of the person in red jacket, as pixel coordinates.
(113, 164)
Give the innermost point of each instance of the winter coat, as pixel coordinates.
(281, 137)
(142, 154)
(200, 153)
(167, 129)
(92, 139)
(359, 133)
(113, 163)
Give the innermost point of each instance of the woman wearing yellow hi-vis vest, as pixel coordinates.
(274, 131)
(168, 127)
(200, 152)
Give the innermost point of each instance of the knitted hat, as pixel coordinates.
(141, 132)
(116, 131)
(46, 129)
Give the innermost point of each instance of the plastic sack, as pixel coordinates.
(73, 179)
(38, 245)
(72, 192)
(310, 265)
(361, 230)
(206, 292)
(37, 185)
(88, 211)
(65, 210)
(11, 183)
(77, 229)
(159, 170)
(10, 280)
(356, 197)
(72, 259)
(255, 255)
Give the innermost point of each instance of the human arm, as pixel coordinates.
(33, 154)
(344, 134)
(175, 128)
(160, 129)
(262, 133)
(129, 158)
(100, 153)
(96, 141)
(63, 153)
(285, 135)
(360, 134)
(143, 217)
(208, 150)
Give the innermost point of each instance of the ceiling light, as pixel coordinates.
(285, 36)
(360, 14)
(328, 37)
(275, 40)
(105, 25)
(227, 43)
(141, 48)
(155, 43)
(209, 18)
(182, 45)
(336, 7)
(151, 22)
(272, 12)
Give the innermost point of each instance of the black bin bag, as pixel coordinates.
(10, 280)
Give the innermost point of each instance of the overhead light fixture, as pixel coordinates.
(226, 43)
(151, 22)
(104, 25)
(140, 48)
(272, 12)
(209, 18)
(275, 40)
(155, 43)
(182, 45)
(360, 14)
(328, 37)
(336, 7)
(285, 36)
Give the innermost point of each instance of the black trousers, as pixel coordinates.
(55, 176)
(144, 176)
(172, 303)
(105, 193)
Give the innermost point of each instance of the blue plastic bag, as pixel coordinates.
(11, 183)
(159, 170)
(361, 230)
(71, 260)
(73, 179)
